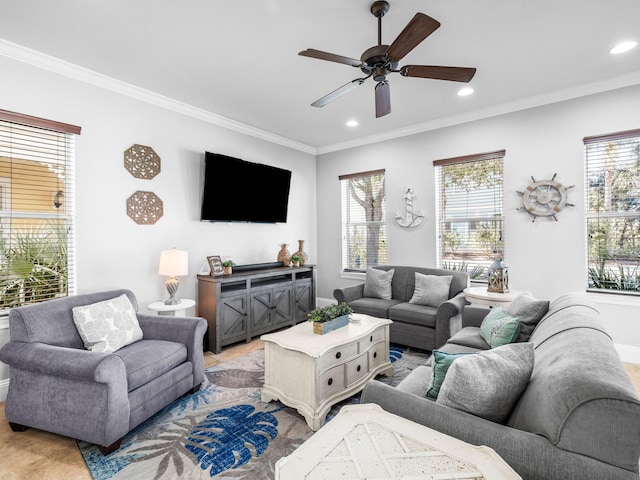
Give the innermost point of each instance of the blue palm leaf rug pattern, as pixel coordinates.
(223, 431)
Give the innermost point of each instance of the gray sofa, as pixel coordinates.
(58, 386)
(420, 326)
(579, 415)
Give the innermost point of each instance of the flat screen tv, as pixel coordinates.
(235, 190)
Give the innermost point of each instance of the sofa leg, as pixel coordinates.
(16, 427)
(110, 448)
(195, 389)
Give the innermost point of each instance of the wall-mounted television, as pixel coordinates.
(235, 190)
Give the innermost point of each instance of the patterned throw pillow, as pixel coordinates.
(431, 290)
(499, 328)
(108, 325)
(489, 383)
(377, 283)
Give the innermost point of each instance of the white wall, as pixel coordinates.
(112, 250)
(545, 257)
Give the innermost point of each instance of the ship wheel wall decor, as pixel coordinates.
(545, 198)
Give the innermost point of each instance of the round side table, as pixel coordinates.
(479, 295)
(177, 310)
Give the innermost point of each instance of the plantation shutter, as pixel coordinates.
(364, 236)
(37, 255)
(470, 212)
(612, 184)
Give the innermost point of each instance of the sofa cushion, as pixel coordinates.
(529, 310)
(499, 328)
(148, 359)
(422, 315)
(377, 283)
(488, 384)
(431, 290)
(469, 337)
(440, 363)
(376, 307)
(108, 325)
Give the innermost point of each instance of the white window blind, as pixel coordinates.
(612, 188)
(364, 235)
(36, 209)
(470, 216)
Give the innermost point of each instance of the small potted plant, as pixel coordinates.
(228, 265)
(329, 318)
(295, 260)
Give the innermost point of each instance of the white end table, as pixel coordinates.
(177, 310)
(364, 441)
(479, 295)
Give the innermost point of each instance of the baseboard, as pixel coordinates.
(323, 302)
(628, 353)
(4, 388)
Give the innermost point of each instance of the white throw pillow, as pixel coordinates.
(431, 289)
(488, 384)
(108, 325)
(377, 283)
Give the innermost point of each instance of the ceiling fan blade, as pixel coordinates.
(347, 87)
(455, 74)
(383, 99)
(419, 28)
(331, 57)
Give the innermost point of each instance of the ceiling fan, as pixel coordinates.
(381, 60)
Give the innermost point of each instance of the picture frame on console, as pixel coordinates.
(215, 264)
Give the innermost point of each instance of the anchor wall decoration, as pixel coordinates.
(410, 219)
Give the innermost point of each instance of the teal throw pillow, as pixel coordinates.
(499, 328)
(440, 363)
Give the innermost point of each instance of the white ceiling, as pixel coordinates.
(239, 59)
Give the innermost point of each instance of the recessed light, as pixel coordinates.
(623, 47)
(463, 92)
(352, 123)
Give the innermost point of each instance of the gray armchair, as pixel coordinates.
(58, 386)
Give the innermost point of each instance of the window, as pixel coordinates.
(364, 237)
(36, 210)
(469, 212)
(612, 187)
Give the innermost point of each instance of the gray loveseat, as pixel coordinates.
(58, 386)
(420, 326)
(578, 418)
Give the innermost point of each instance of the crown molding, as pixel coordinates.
(494, 111)
(67, 69)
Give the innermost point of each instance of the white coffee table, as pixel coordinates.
(364, 441)
(311, 372)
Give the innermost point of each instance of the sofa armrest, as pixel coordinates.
(446, 311)
(349, 294)
(69, 363)
(186, 330)
(472, 315)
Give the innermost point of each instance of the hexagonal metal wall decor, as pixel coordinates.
(144, 208)
(142, 161)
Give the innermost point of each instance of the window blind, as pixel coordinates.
(612, 188)
(37, 247)
(470, 216)
(364, 237)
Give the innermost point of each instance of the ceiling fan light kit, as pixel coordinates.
(381, 60)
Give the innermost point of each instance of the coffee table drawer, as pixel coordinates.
(337, 356)
(378, 354)
(357, 368)
(330, 382)
(376, 336)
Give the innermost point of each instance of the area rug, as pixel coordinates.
(222, 431)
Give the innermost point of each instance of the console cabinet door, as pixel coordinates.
(233, 317)
(303, 300)
(270, 308)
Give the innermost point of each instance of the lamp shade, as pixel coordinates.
(173, 263)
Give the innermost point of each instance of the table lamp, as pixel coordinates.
(173, 263)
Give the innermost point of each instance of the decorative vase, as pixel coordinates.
(325, 327)
(304, 257)
(283, 254)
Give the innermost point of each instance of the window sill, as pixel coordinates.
(611, 298)
(353, 275)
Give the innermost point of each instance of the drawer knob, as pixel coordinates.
(358, 369)
(338, 355)
(330, 381)
(371, 338)
(375, 354)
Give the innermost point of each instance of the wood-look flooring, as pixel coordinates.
(37, 455)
